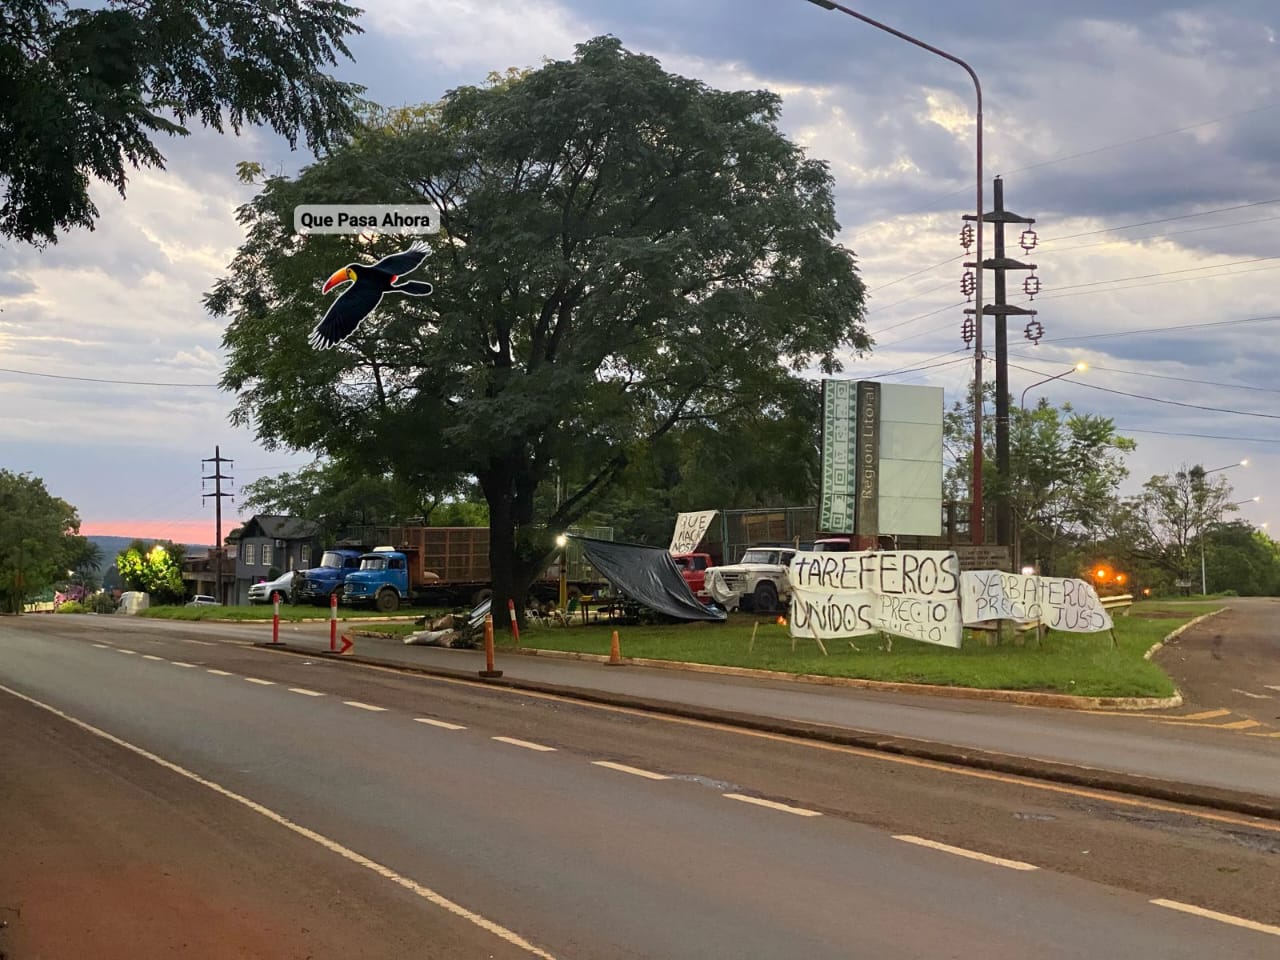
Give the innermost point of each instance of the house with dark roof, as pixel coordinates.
(267, 546)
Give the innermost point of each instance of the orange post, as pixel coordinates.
(515, 624)
(615, 652)
(275, 617)
(489, 672)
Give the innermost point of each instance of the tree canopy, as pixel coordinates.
(88, 89)
(39, 539)
(155, 568)
(623, 251)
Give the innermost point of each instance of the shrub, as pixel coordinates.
(71, 606)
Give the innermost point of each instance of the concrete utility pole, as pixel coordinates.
(218, 476)
(1002, 310)
(975, 510)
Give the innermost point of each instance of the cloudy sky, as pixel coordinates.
(1141, 134)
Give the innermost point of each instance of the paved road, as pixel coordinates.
(317, 811)
(1182, 746)
(1232, 662)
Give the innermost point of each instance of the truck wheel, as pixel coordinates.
(480, 596)
(764, 599)
(388, 600)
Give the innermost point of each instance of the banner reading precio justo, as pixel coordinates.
(909, 593)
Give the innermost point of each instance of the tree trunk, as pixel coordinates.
(512, 573)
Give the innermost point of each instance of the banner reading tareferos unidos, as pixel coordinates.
(910, 593)
(1058, 602)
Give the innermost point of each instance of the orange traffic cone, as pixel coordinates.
(615, 652)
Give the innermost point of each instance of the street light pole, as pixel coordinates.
(1204, 583)
(1080, 367)
(975, 509)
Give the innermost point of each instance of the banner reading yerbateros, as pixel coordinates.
(910, 593)
(1057, 602)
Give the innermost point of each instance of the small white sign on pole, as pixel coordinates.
(690, 529)
(910, 593)
(1059, 603)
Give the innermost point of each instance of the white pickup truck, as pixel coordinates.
(759, 582)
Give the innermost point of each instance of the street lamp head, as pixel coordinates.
(561, 540)
(1244, 462)
(1081, 367)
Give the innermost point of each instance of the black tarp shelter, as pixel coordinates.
(648, 576)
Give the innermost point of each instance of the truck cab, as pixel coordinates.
(693, 567)
(382, 580)
(319, 583)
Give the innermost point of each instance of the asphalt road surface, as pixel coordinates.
(163, 795)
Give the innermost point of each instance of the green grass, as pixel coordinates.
(1075, 663)
(264, 612)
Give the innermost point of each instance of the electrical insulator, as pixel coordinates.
(1031, 286)
(968, 284)
(966, 236)
(968, 331)
(1028, 240)
(1035, 330)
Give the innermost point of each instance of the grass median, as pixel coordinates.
(1073, 663)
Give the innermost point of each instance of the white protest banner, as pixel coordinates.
(690, 529)
(1058, 602)
(910, 593)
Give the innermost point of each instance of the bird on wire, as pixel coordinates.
(368, 286)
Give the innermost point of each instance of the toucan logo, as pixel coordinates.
(368, 285)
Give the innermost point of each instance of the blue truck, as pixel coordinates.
(319, 583)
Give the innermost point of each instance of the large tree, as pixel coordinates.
(1162, 525)
(623, 251)
(88, 88)
(155, 568)
(39, 538)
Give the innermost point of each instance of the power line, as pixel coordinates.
(941, 263)
(1139, 396)
(1166, 273)
(132, 383)
(1201, 436)
(1149, 223)
(903, 323)
(1157, 376)
(1144, 330)
(1162, 236)
(1161, 283)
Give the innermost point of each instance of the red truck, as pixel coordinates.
(693, 567)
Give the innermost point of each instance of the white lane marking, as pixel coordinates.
(773, 805)
(525, 743)
(426, 893)
(634, 771)
(1221, 917)
(1255, 696)
(180, 663)
(1267, 685)
(364, 706)
(123, 650)
(265, 683)
(102, 646)
(443, 724)
(218, 673)
(305, 692)
(971, 854)
(151, 656)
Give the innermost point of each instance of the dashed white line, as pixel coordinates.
(102, 646)
(365, 706)
(406, 883)
(305, 692)
(443, 724)
(180, 663)
(773, 805)
(970, 854)
(525, 743)
(218, 673)
(1220, 917)
(151, 656)
(123, 650)
(634, 771)
(265, 683)
(1254, 696)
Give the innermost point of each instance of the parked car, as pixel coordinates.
(200, 600)
(283, 585)
(760, 581)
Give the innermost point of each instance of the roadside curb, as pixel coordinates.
(1159, 645)
(1061, 701)
(1255, 805)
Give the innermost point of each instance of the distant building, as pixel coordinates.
(264, 548)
